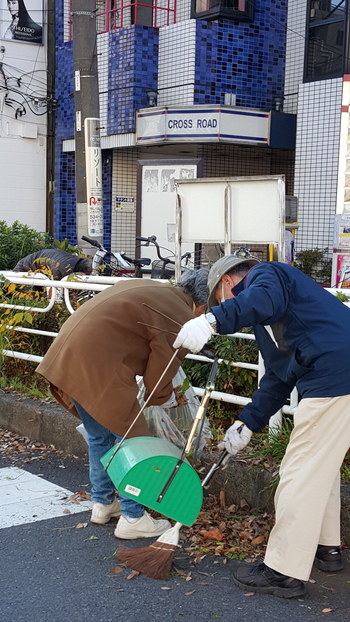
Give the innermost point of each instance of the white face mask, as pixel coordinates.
(222, 292)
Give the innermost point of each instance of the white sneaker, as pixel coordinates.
(101, 514)
(145, 527)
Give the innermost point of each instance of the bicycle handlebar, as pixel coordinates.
(153, 240)
(92, 242)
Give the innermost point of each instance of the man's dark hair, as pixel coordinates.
(241, 270)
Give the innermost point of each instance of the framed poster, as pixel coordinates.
(156, 199)
(22, 20)
(342, 231)
(341, 270)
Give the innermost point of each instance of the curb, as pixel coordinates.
(50, 424)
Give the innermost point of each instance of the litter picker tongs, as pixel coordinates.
(197, 424)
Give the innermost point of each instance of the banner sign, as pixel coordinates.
(203, 124)
(341, 231)
(22, 20)
(94, 191)
(341, 270)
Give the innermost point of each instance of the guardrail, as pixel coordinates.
(58, 291)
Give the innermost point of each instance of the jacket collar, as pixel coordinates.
(237, 289)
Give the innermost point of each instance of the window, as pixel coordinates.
(238, 10)
(326, 36)
(113, 14)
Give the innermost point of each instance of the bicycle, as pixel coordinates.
(118, 265)
(163, 267)
(105, 263)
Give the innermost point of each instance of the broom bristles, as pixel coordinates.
(153, 561)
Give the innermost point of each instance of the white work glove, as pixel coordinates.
(171, 402)
(194, 334)
(236, 438)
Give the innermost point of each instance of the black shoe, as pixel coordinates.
(263, 580)
(328, 558)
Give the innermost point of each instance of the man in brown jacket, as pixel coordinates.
(92, 367)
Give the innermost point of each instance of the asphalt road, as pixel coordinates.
(50, 571)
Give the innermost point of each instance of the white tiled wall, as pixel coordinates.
(67, 18)
(102, 61)
(294, 52)
(316, 162)
(176, 64)
(183, 10)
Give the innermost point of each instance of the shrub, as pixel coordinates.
(316, 264)
(229, 379)
(17, 241)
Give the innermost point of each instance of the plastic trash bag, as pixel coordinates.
(174, 424)
(82, 430)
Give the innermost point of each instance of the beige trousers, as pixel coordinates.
(307, 499)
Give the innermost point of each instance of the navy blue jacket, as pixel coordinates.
(310, 326)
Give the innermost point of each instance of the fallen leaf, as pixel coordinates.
(116, 569)
(258, 540)
(66, 511)
(166, 588)
(189, 593)
(244, 505)
(312, 581)
(250, 594)
(213, 534)
(327, 610)
(222, 498)
(93, 538)
(133, 573)
(81, 525)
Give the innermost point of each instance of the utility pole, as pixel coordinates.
(88, 165)
(51, 107)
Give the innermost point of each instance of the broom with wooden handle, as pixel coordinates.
(155, 561)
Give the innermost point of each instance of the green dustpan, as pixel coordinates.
(144, 465)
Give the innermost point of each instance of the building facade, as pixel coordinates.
(25, 99)
(317, 60)
(191, 62)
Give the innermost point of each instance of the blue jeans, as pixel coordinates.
(102, 487)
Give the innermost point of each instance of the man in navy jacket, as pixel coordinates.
(303, 334)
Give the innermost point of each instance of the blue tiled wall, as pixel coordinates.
(132, 70)
(243, 58)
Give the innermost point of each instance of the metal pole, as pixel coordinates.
(50, 141)
(88, 165)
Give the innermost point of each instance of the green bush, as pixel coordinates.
(316, 264)
(17, 241)
(229, 378)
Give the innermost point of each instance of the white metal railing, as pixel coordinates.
(95, 283)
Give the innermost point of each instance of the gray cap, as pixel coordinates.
(221, 267)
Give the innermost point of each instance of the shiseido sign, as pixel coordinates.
(22, 20)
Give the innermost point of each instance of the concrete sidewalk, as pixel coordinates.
(49, 423)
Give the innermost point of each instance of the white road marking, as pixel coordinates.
(27, 498)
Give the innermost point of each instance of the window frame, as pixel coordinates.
(133, 5)
(312, 24)
(224, 13)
